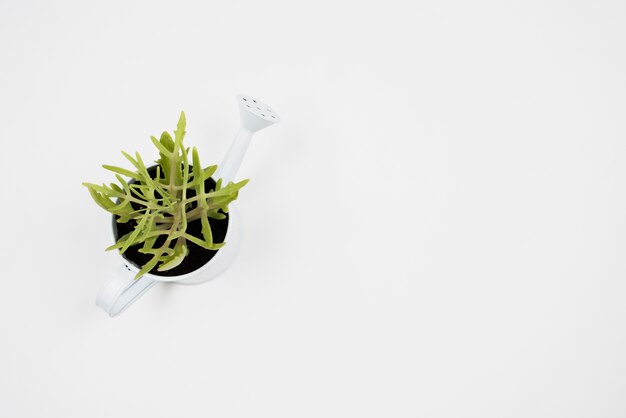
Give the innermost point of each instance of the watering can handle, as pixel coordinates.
(121, 290)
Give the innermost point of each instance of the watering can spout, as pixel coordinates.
(254, 116)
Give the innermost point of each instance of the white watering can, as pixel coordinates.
(121, 290)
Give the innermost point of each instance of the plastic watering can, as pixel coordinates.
(121, 290)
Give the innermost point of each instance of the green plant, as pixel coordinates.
(161, 206)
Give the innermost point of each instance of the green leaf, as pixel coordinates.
(207, 234)
(152, 234)
(180, 252)
(124, 184)
(167, 141)
(215, 215)
(123, 208)
(104, 190)
(120, 242)
(116, 187)
(101, 200)
(199, 175)
(143, 169)
(131, 159)
(161, 147)
(133, 236)
(147, 267)
(124, 218)
(148, 244)
(209, 171)
(122, 171)
(175, 160)
(180, 128)
(200, 243)
(231, 188)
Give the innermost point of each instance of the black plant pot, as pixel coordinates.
(197, 257)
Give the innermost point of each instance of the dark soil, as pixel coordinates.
(197, 257)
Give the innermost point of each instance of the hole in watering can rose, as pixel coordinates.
(197, 257)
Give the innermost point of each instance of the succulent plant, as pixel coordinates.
(162, 205)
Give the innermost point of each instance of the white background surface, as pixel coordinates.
(435, 230)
